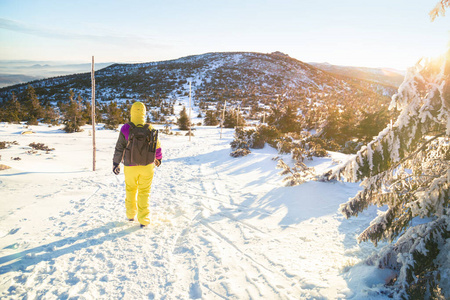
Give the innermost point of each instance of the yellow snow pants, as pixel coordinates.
(138, 182)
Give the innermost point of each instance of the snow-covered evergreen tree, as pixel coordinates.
(13, 110)
(297, 175)
(407, 168)
(72, 115)
(32, 105)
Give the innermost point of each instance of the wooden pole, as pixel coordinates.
(93, 113)
(237, 116)
(190, 110)
(223, 118)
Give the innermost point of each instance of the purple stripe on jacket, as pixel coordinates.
(126, 132)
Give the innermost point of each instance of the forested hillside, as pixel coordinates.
(258, 87)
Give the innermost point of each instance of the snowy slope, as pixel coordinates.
(222, 228)
(233, 76)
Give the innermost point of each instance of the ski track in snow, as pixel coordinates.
(222, 228)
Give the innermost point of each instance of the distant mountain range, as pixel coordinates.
(14, 72)
(382, 75)
(240, 78)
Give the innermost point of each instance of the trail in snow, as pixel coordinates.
(222, 228)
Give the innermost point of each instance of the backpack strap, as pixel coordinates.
(153, 139)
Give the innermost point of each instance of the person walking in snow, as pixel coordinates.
(139, 149)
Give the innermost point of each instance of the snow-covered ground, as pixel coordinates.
(222, 227)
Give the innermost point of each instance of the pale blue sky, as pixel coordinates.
(383, 33)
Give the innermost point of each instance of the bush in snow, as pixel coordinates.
(295, 176)
(40, 146)
(233, 118)
(284, 144)
(240, 152)
(407, 168)
(247, 138)
(167, 129)
(285, 117)
(5, 145)
(269, 134)
(244, 139)
(302, 146)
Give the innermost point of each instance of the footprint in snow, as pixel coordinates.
(13, 231)
(12, 246)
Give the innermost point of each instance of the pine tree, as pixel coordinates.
(347, 125)
(32, 106)
(113, 116)
(233, 118)
(372, 123)
(183, 120)
(288, 120)
(86, 111)
(339, 125)
(211, 118)
(50, 115)
(13, 110)
(407, 168)
(73, 118)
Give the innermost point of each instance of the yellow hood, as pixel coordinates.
(138, 112)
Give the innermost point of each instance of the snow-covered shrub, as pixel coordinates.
(257, 140)
(407, 168)
(302, 147)
(167, 129)
(5, 145)
(318, 147)
(40, 146)
(269, 134)
(246, 138)
(240, 152)
(241, 139)
(284, 145)
(295, 176)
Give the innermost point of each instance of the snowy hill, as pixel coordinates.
(222, 228)
(245, 78)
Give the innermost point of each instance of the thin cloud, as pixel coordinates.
(117, 39)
